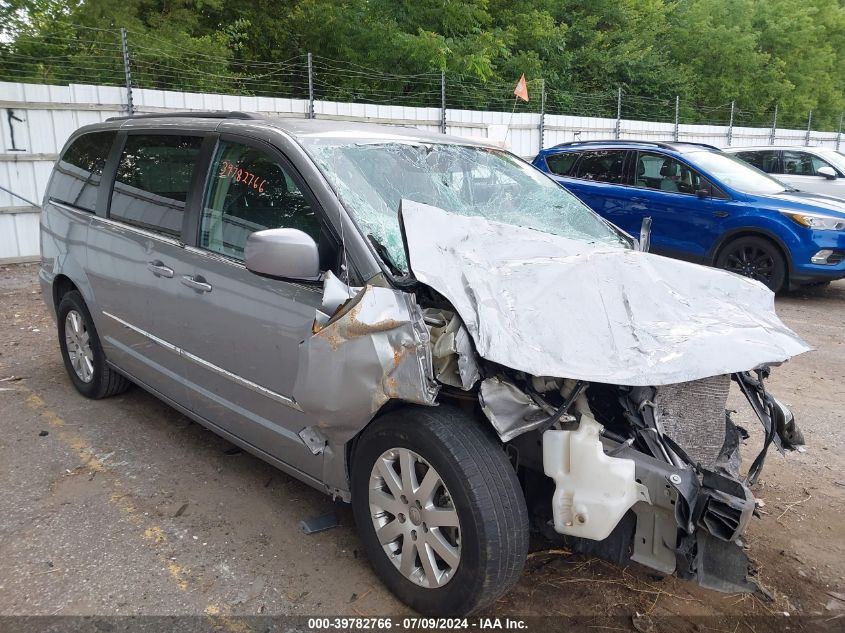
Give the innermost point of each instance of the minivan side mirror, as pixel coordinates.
(702, 193)
(286, 253)
(827, 171)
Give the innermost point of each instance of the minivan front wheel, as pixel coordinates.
(82, 352)
(439, 509)
(754, 257)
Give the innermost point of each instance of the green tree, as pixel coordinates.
(757, 53)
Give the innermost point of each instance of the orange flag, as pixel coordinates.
(521, 89)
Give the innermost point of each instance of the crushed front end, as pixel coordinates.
(667, 460)
(645, 474)
(604, 372)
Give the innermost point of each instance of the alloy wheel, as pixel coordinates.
(78, 343)
(414, 518)
(751, 261)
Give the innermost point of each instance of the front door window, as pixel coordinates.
(802, 164)
(664, 173)
(248, 191)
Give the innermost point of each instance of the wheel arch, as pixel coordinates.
(67, 273)
(462, 406)
(62, 284)
(494, 523)
(752, 231)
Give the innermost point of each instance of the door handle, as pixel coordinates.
(158, 268)
(721, 214)
(637, 200)
(197, 283)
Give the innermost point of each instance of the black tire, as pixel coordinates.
(104, 381)
(755, 257)
(484, 492)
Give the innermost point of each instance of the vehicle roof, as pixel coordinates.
(682, 147)
(301, 129)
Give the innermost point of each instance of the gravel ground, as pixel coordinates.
(125, 507)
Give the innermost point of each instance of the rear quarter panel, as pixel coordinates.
(64, 237)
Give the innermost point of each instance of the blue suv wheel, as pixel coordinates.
(754, 257)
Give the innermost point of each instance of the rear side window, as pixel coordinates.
(602, 166)
(764, 160)
(562, 164)
(152, 181)
(76, 178)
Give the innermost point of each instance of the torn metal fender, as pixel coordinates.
(509, 409)
(455, 361)
(373, 349)
(552, 306)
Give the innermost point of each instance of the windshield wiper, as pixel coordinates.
(382, 252)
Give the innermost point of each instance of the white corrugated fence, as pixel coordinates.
(38, 119)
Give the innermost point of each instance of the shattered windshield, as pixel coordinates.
(372, 179)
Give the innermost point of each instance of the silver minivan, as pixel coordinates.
(423, 326)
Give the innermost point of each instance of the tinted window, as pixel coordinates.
(249, 191)
(603, 166)
(802, 163)
(152, 181)
(77, 175)
(765, 160)
(664, 173)
(561, 164)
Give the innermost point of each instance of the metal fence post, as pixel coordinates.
(310, 87)
(677, 115)
(809, 124)
(443, 101)
(774, 127)
(618, 130)
(130, 106)
(839, 131)
(542, 112)
(731, 124)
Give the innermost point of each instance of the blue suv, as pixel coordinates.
(707, 207)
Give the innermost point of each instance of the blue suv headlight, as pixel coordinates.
(817, 221)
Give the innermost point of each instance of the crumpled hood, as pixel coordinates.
(551, 306)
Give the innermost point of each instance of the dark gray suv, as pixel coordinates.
(424, 326)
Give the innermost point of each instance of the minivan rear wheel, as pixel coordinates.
(439, 509)
(755, 257)
(82, 352)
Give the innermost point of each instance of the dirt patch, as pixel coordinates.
(210, 529)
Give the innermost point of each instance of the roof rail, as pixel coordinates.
(661, 144)
(223, 114)
(707, 145)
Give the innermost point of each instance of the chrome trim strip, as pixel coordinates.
(71, 208)
(223, 259)
(243, 382)
(139, 231)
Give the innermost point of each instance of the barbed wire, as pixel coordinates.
(95, 55)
